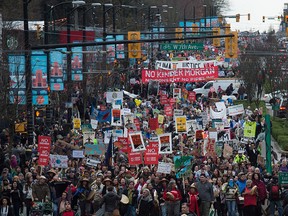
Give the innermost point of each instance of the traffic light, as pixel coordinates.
(134, 49)
(231, 46)
(286, 31)
(38, 31)
(263, 19)
(39, 113)
(216, 41)
(227, 29)
(115, 63)
(178, 34)
(248, 16)
(237, 17)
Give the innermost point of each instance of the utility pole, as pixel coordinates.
(28, 75)
(268, 143)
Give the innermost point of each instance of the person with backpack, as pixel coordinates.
(231, 191)
(274, 190)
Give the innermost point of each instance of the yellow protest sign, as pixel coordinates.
(160, 119)
(250, 129)
(181, 124)
(20, 128)
(159, 131)
(77, 123)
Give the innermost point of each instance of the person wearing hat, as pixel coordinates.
(193, 198)
(172, 197)
(40, 190)
(162, 190)
(145, 204)
(5, 208)
(107, 182)
(240, 157)
(132, 195)
(82, 194)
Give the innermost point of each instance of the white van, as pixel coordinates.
(224, 83)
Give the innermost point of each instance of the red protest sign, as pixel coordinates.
(172, 101)
(192, 96)
(135, 158)
(151, 156)
(137, 124)
(168, 110)
(164, 99)
(153, 123)
(125, 143)
(44, 143)
(154, 144)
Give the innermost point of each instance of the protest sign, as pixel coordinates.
(86, 128)
(191, 96)
(160, 119)
(219, 148)
(20, 127)
(92, 162)
(78, 154)
(98, 149)
(128, 119)
(59, 161)
(178, 112)
(76, 123)
(136, 140)
(126, 111)
(249, 129)
(236, 110)
(88, 137)
(165, 143)
(172, 101)
(180, 123)
(164, 168)
(210, 148)
(116, 119)
(117, 103)
(151, 156)
(218, 124)
(44, 143)
(224, 135)
(111, 96)
(163, 99)
(135, 158)
(179, 75)
(227, 151)
(153, 123)
(177, 93)
(123, 144)
(137, 124)
(217, 114)
(182, 165)
(168, 110)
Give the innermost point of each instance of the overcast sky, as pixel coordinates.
(257, 9)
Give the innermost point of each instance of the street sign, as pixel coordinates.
(180, 47)
(283, 178)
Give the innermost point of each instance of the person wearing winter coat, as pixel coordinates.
(145, 204)
(40, 190)
(111, 201)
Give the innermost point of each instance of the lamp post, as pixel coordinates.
(28, 74)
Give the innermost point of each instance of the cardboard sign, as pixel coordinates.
(135, 158)
(151, 156)
(227, 151)
(165, 143)
(20, 128)
(59, 161)
(137, 143)
(180, 123)
(164, 168)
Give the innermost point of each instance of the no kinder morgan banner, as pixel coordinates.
(180, 75)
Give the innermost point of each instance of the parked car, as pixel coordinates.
(283, 109)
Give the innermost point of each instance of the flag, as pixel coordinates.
(94, 112)
(104, 116)
(109, 153)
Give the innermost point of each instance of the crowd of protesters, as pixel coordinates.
(234, 185)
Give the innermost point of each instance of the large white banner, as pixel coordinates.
(111, 96)
(172, 65)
